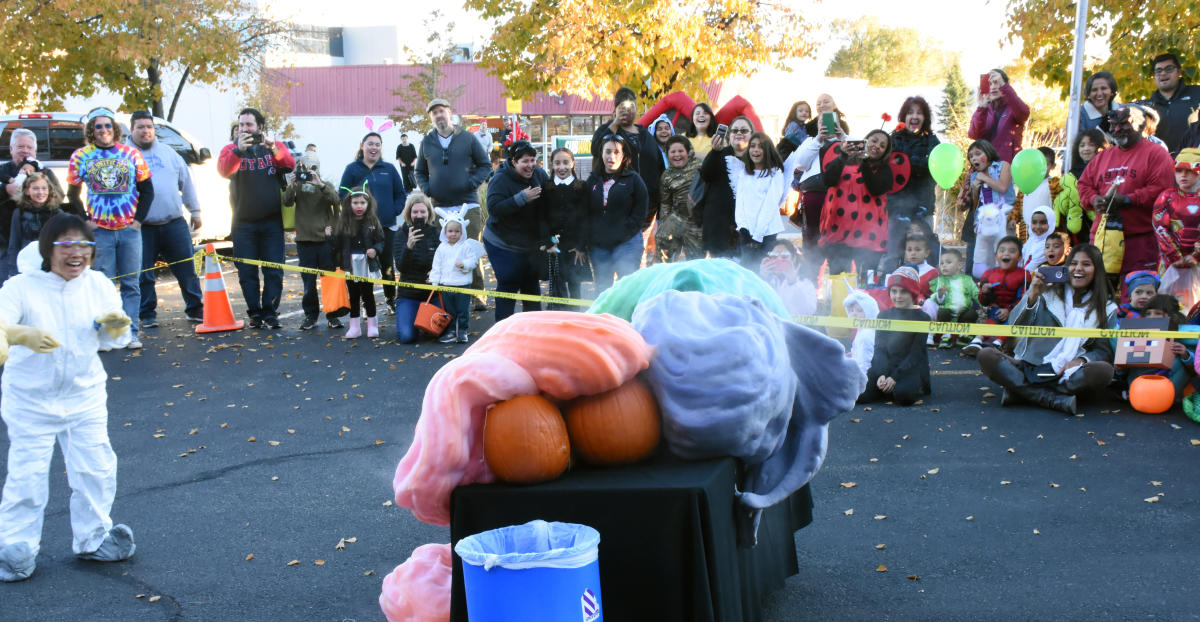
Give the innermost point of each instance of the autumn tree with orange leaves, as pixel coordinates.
(588, 47)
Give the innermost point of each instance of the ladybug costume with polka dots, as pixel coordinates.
(855, 211)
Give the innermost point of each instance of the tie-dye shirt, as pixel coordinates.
(110, 175)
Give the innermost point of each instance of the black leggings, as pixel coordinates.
(364, 291)
(907, 391)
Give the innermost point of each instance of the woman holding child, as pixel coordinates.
(1052, 372)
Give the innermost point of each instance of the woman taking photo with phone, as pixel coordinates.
(717, 228)
(1051, 372)
(823, 130)
(1001, 116)
(859, 175)
(418, 242)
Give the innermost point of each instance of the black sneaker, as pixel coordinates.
(257, 322)
(273, 323)
(448, 337)
(195, 319)
(308, 323)
(335, 323)
(148, 323)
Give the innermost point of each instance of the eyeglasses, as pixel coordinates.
(1158, 71)
(784, 254)
(104, 126)
(739, 131)
(75, 244)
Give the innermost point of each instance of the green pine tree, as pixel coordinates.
(955, 111)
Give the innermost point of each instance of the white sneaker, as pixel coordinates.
(929, 341)
(134, 344)
(973, 348)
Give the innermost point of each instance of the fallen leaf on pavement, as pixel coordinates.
(934, 471)
(1155, 483)
(1036, 532)
(273, 443)
(849, 484)
(294, 562)
(368, 573)
(849, 512)
(1151, 499)
(154, 599)
(880, 547)
(1004, 482)
(881, 568)
(319, 562)
(880, 516)
(251, 439)
(250, 557)
(970, 518)
(913, 577)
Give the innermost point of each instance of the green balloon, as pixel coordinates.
(1028, 170)
(946, 164)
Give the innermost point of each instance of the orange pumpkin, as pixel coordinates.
(617, 427)
(525, 440)
(1151, 394)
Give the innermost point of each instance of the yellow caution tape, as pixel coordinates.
(988, 330)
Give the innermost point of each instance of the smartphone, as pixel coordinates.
(855, 145)
(418, 223)
(1054, 274)
(985, 84)
(829, 122)
(722, 129)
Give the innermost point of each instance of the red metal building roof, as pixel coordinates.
(352, 90)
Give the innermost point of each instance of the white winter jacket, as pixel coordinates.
(756, 199)
(444, 271)
(71, 377)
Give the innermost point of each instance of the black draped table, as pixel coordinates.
(668, 540)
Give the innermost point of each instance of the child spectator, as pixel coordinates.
(1177, 225)
(562, 213)
(37, 203)
(780, 268)
(453, 263)
(916, 252)
(357, 244)
(861, 306)
(1058, 244)
(1142, 285)
(1041, 224)
(1000, 289)
(899, 366)
(993, 193)
(955, 294)
(1183, 369)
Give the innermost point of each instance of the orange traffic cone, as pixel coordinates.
(218, 312)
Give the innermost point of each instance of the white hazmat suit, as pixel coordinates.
(60, 394)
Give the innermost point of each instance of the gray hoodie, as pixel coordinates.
(451, 176)
(170, 176)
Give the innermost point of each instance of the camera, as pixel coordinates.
(722, 129)
(256, 138)
(303, 174)
(1054, 274)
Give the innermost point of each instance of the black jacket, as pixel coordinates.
(563, 211)
(919, 190)
(413, 264)
(1175, 114)
(617, 221)
(368, 236)
(512, 221)
(900, 354)
(717, 229)
(646, 159)
(406, 155)
(26, 226)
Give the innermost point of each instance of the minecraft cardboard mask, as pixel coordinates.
(1151, 352)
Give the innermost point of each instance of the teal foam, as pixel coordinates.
(710, 276)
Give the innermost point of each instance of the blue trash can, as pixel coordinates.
(536, 572)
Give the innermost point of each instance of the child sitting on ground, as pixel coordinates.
(859, 305)
(1183, 369)
(999, 290)
(899, 366)
(1058, 244)
(453, 264)
(780, 268)
(955, 294)
(1142, 285)
(1041, 226)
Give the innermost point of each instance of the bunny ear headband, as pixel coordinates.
(370, 125)
(449, 215)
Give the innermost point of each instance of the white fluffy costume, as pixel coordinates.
(58, 395)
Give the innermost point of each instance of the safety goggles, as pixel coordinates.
(76, 244)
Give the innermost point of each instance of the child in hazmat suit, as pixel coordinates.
(54, 389)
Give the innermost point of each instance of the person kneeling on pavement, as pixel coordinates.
(53, 390)
(1051, 372)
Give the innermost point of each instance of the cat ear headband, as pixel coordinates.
(354, 191)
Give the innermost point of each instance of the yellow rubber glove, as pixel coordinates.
(35, 339)
(116, 323)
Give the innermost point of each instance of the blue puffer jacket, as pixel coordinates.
(383, 182)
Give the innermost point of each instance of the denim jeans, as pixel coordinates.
(516, 273)
(459, 307)
(623, 259)
(119, 253)
(317, 255)
(173, 241)
(264, 241)
(406, 313)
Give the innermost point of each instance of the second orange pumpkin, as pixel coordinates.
(616, 427)
(525, 440)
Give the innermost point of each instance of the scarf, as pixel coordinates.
(1067, 348)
